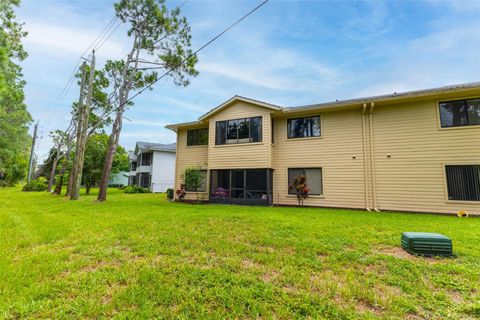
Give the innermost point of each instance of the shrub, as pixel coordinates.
(299, 186)
(170, 193)
(35, 185)
(136, 189)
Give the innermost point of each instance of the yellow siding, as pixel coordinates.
(343, 176)
(413, 177)
(245, 155)
(188, 156)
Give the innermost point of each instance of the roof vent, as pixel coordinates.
(427, 244)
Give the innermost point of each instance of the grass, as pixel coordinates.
(140, 256)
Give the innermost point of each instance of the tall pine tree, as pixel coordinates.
(14, 117)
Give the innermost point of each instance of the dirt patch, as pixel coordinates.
(249, 264)
(289, 288)
(111, 290)
(270, 276)
(456, 297)
(97, 265)
(365, 306)
(399, 253)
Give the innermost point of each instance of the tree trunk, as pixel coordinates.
(59, 185)
(112, 147)
(80, 156)
(52, 173)
(88, 186)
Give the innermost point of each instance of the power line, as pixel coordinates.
(104, 31)
(186, 59)
(105, 39)
(71, 79)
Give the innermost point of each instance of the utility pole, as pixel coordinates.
(73, 172)
(32, 151)
(80, 156)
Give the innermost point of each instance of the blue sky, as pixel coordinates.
(288, 53)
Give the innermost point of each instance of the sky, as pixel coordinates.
(288, 53)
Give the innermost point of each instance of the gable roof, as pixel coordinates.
(234, 99)
(149, 146)
(202, 119)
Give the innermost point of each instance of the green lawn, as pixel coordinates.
(140, 256)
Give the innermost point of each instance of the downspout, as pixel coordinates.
(365, 170)
(175, 197)
(372, 157)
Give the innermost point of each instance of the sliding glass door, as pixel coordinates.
(241, 186)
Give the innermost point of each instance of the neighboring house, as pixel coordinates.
(152, 165)
(412, 151)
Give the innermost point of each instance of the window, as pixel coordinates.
(303, 127)
(197, 137)
(460, 113)
(133, 166)
(146, 159)
(463, 182)
(313, 178)
(238, 131)
(203, 184)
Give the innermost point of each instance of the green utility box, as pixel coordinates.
(427, 244)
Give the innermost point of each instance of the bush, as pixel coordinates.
(35, 185)
(135, 189)
(170, 193)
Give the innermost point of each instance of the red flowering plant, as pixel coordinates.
(181, 192)
(300, 188)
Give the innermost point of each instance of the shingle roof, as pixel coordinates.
(391, 96)
(150, 146)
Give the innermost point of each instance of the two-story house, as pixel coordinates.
(413, 151)
(152, 166)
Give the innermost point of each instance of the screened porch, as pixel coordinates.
(241, 186)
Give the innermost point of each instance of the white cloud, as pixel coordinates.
(61, 40)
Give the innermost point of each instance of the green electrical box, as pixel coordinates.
(427, 244)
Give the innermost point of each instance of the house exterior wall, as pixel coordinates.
(189, 156)
(338, 151)
(413, 177)
(242, 155)
(162, 171)
(385, 156)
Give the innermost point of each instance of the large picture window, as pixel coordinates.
(203, 184)
(197, 137)
(238, 131)
(313, 177)
(460, 113)
(303, 127)
(463, 182)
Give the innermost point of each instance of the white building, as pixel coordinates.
(152, 165)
